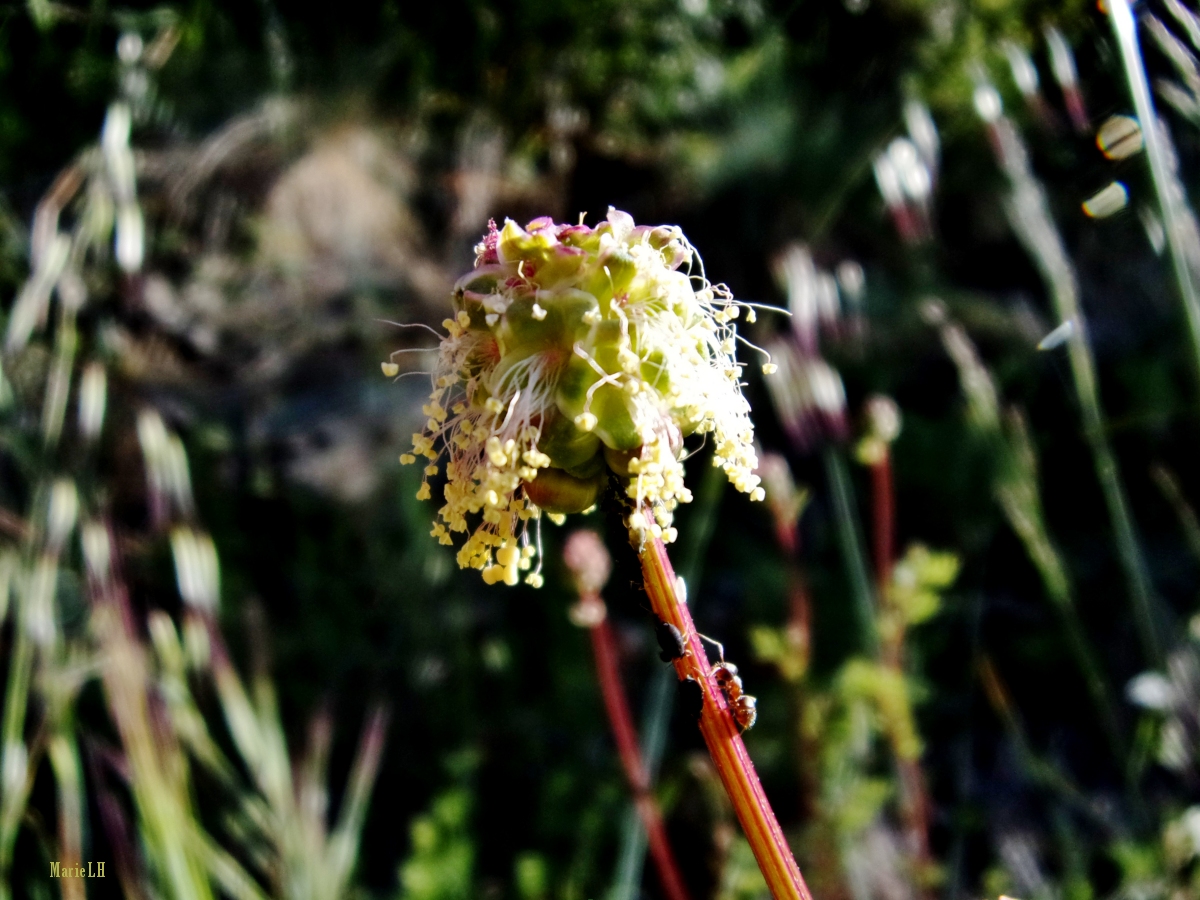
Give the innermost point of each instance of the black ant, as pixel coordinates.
(671, 644)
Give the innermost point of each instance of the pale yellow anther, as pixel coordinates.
(538, 313)
(390, 369)
(585, 421)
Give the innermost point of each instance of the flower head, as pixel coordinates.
(576, 352)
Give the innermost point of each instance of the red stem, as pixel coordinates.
(722, 735)
(617, 705)
(885, 518)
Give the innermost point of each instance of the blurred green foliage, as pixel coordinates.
(306, 173)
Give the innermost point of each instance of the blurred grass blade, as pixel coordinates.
(64, 760)
(1028, 211)
(344, 842)
(225, 870)
(1182, 235)
(1168, 484)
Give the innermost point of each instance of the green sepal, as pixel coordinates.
(567, 446)
(611, 406)
(557, 492)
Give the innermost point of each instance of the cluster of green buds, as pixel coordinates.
(574, 353)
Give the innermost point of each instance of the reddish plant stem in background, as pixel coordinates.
(799, 637)
(914, 795)
(884, 514)
(787, 535)
(722, 735)
(619, 716)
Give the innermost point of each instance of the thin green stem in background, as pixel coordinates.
(1168, 484)
(849, 533)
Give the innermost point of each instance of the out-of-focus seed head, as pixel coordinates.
(808, 395)
(1062, 333)
(61, 514)
(1020, 63)
(588, 561)
(882, 420)
(1120, 137)
(197, 570)
(97, 550)
(574, 352)
(883, 417)
(785, 498)
(851, 279)
(1062, 60)
(924, 133)
(93, 396)
(988, 104)
(910, 169)
(129, 48)
(1110, 199)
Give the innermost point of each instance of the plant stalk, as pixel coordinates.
(722, 736)
(631, 858)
